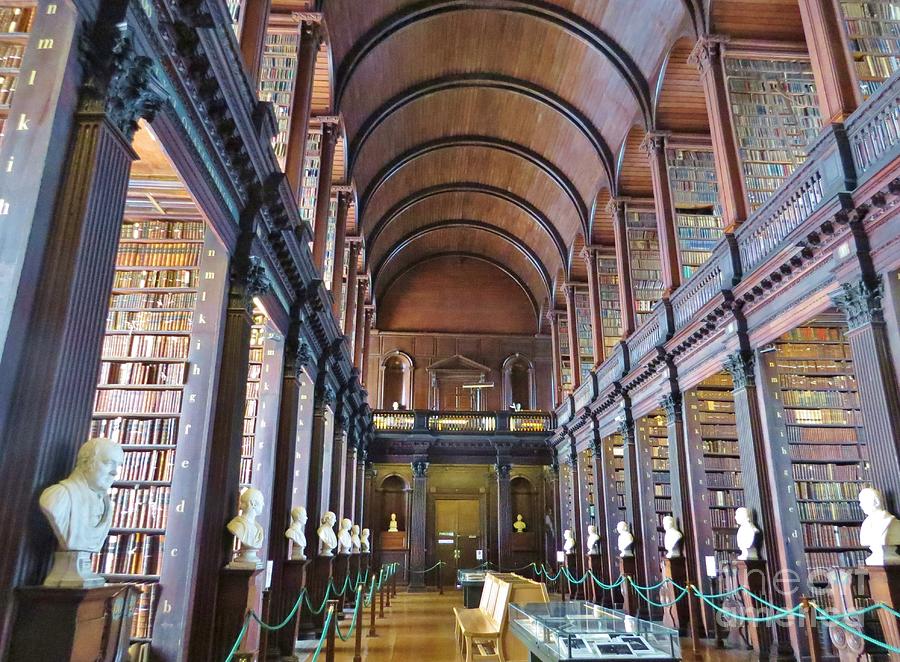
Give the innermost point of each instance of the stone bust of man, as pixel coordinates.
(747, 536)
(327, 538)
(247, 530)
(593, 540)
(880, 531)
(296, 533)
(673, 539)
(625, 541)
(80, 512)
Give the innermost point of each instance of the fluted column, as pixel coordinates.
(254, 25)
(307, 50)
(360, 488)
(574, 354)
(590, 258)
(417, 537)
(368, 490)
(316, 499)
(367, 334)
(340, 236)
(655, 146)
(337, 501)
(504, 514)
(707, 55)
(553, 320)
(879, 397)
(349, 321)
(644, 546)
(350, 482)
(359, 334)
(832, 66)
(323, 195)
(623, 266)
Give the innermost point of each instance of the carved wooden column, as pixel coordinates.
(368, 490)
(340, 236)
(633, 496)
(879, 398)
(417, 538)
(338, 467)
(59, 262)
(364, 357)
(832, 67)
(360, 486)
(248, 281)
(707, 55)
(359, 333)
(323, 195)
(504, 514)
(316, 503)
(254, 24)
(350, 482)
(655, 145)
(307, 50)
(623, 266)
(552, 319)
(574, 354)
(349, 322)
(576, 568)
(590, 258)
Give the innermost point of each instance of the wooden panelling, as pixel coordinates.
(457, 295)
(681, 105)
(777, 20)
(321, 93)
(339, 165)
(634, 172)
(577, 266)
(602, 230)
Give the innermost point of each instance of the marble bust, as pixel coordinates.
(355, 542)
(364, 541)
(80, 513)
(673, 539)
(327, 538)
(519, 525)
(568, 541)
(392, 525)
(625, 542)
(593, 540)
(880, 531)
(297, 534)
(345, 540)
(748, 535)
(247, 530)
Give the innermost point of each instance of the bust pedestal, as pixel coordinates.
(676, 616)
(628, 566)
(884, 583)
(594, 593)
(73, 624)
(393, 540)
(293, 579)
(339, 576)
(318, 573)
(576, 591)
(236, 587)
(365, 562)
(752, 575)
(354, 571)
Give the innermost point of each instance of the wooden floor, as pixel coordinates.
(419, 628)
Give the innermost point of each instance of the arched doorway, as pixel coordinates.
(518, 382)
(396, 381)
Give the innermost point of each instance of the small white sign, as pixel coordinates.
(560, 557)
(479, 555)
(270, 565)
(711, 570)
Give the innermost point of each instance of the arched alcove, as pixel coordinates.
(394, 499)
(518, 382)
(397, 381)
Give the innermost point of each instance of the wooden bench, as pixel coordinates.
(481, 633)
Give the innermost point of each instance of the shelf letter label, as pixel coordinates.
(23, 123)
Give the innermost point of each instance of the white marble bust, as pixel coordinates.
(355, 542)
(673, 539)
(345, 540)
(327, 539)
(593, 540)
(748, 535)
(625, 541)
(568, 541)
(247, 530)
(880, 531)
(296, 533)
(392, 525)
(80, 513)
(364, 541)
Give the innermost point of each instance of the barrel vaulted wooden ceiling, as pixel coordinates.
(496, 128)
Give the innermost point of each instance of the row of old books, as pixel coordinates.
(137, 402)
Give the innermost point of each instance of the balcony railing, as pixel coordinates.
(475, 422)
(842, 158)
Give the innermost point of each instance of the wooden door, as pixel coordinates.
(457, 526)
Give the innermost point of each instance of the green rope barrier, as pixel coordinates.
(786, 612)
(638, 590)
(606, 587)
(356, 610)
(439, 563)
(324, 636)
(287, 618)
(649, 588)
(862, 635)
(239, 639)
(316, 612)
(796, 611)
(571, 579)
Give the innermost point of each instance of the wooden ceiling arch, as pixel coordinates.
(488, 142)
(410, 238)
(467, 187)
(569, 21)
(509, 84)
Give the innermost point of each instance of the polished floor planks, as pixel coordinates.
(419, 627)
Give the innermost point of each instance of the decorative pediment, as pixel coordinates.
(458, 363)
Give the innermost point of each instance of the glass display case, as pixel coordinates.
(581, 630)
(471, 580)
